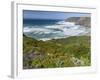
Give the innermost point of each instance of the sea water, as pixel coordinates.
(42, 29)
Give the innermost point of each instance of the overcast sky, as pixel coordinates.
(28, 14)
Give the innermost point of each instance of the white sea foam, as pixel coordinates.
(66, 23)
(59, 30)
(45, 39)
(32, 29)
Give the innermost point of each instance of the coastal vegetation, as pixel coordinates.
(66, 52)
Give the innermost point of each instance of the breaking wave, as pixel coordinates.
(60, 29)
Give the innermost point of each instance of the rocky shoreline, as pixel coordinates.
(83, 21)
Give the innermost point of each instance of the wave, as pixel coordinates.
(66, 23)
(59, 30)
(32, 29)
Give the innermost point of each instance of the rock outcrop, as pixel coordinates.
(84, 21)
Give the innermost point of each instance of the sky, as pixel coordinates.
(29, 14)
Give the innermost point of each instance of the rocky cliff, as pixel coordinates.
(84, 21)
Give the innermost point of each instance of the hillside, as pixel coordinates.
(66, 52)
(84, 21)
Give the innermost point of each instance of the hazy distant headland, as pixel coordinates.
(84, 21)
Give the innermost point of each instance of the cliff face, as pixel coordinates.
(84, 21)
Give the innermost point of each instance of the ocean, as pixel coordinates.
(42, 29)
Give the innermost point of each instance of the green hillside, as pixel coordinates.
(66, 52)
